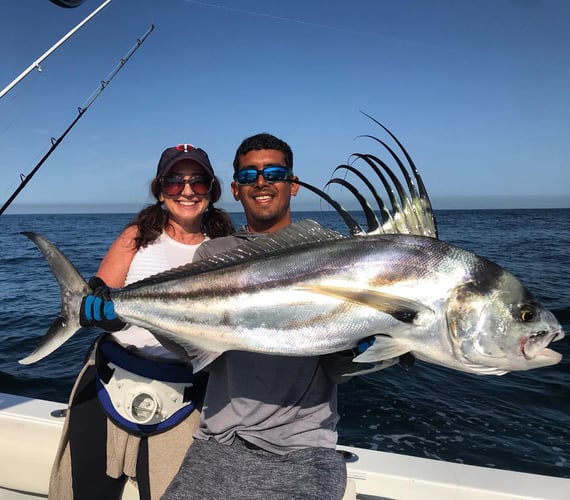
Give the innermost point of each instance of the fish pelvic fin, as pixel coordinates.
(73, 289)
(400, 308)
(201, 359)
(198, 358)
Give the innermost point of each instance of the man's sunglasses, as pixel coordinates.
(173, 185)
(273, 173)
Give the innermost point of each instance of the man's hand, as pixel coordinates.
(97, 309)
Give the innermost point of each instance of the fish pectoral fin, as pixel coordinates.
(400, 308)
(383, 348)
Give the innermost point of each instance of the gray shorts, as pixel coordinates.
(215, 471)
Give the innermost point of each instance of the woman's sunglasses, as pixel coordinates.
(173, 185)
(273, 173)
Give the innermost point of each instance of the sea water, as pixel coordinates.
(519, 421)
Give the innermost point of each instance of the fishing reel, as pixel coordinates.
(68, 4)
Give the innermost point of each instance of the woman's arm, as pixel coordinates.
(115, 265)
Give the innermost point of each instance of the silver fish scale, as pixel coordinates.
(270, 303)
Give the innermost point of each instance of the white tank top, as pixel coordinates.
(162, 254)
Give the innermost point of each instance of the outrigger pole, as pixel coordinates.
(36, 63)
(55, 142)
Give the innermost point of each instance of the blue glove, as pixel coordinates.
(97, 309)
(405, 360)
(364, 344)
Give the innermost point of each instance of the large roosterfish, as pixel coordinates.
(308, 290)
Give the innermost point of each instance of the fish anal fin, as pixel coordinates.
(400, 308)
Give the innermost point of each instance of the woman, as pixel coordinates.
(134, 407)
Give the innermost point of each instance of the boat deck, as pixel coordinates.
(30, 430)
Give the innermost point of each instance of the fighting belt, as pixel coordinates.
(145, 396)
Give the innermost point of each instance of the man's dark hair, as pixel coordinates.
(264, 141)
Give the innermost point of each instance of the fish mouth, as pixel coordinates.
(535, 346)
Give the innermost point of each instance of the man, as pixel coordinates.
(268, 425)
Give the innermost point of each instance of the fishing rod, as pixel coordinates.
(37, 62)
(81, 111)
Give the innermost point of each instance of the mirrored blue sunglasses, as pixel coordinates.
(273, 173)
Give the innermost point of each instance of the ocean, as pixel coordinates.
(520, 421)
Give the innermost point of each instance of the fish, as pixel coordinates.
(308, 290)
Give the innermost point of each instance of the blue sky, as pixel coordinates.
(478, 93)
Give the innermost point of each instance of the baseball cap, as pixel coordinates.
(173, 155)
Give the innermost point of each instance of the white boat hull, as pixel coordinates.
(30, 430)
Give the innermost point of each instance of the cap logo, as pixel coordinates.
(185, 147)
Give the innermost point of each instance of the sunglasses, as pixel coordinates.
(273, 173)
(173, 185)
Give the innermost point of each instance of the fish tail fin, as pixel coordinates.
(73, 289)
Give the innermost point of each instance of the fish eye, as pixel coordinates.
(527, 314)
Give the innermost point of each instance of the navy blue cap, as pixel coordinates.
(171, 156)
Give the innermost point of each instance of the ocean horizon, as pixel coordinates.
(301, 204)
